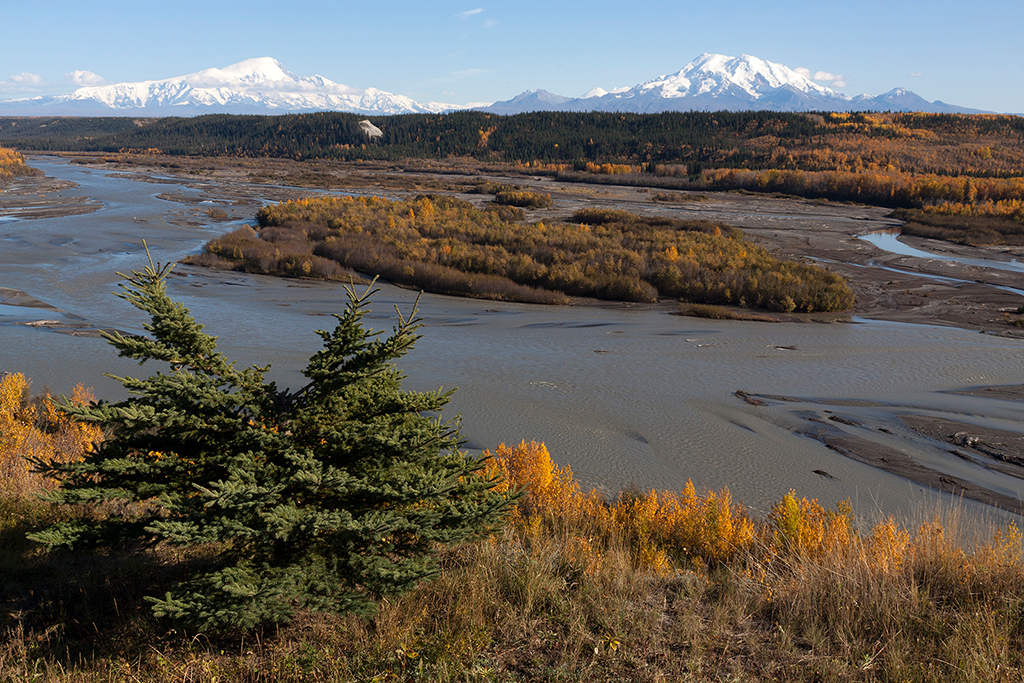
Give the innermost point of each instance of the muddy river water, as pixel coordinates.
(625, 395)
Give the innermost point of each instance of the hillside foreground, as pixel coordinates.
(648, 586)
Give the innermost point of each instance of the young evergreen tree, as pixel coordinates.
(325, 498)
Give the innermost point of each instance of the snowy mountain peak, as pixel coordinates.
(531, 100)
(715, 82)
(719, 74)
(710, 82)
(601, 92)
(260, 85)
(258, 70)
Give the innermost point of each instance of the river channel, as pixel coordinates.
(625, 395)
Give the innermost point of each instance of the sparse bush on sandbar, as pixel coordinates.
(525, 199)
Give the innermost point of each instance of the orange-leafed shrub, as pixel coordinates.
(806, 527)
(37, 429)
(705, 526)
(660, 528)
(546, 487)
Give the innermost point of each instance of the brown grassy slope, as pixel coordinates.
(649, 587)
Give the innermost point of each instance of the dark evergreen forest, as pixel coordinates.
(698, 139)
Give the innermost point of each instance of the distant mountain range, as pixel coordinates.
(263, 86)
(255, 86)
(717, 82)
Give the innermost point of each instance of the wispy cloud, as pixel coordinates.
(27, 79)
(453, 76)
(835, 80)
(916, 74)
(468, 73)
(82, 77)
(22, 83)
(468, 13)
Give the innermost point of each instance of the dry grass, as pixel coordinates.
(650, 586)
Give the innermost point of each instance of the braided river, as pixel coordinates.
(625, 395)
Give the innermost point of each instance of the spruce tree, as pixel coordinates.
(324, 498)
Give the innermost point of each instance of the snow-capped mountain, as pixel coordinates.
(259, 85)
(717, 78)
(710, 82)
(714, 82)
(531, 100)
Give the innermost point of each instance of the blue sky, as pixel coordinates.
(962, 53)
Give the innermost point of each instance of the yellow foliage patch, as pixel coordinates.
(805, 527)
(660, 527)
(37, 429)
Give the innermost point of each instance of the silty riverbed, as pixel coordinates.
(626, 395)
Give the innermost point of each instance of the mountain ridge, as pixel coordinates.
(259, 85)
(713, 82)
(262, 85)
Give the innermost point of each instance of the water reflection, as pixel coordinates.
(889, 241)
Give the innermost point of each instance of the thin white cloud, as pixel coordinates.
(468, 13)
(468, 73)
(82, 77)
(452, 77)
(25, 78)
(915, 74)
(837, 80)
(488, 23)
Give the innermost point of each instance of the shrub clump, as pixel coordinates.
(13, 164)
(525, 199)
(37, 428)
(446, 245)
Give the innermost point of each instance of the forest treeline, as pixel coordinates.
(679, 142)
(446, 245)
(943, 164)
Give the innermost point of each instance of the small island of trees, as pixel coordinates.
(446, 245)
